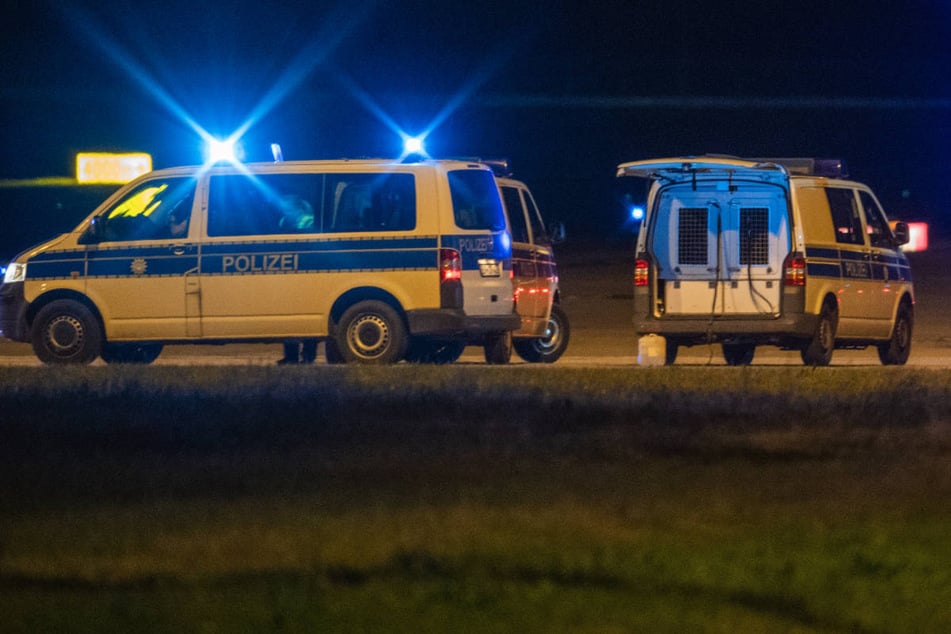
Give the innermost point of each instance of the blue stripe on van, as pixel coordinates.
(244, 257)
(850, 264)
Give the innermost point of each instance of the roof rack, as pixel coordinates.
(830, 168)
(500, 167)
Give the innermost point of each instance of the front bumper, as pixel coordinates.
(13, 308)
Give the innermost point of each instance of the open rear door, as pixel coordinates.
(718, 232)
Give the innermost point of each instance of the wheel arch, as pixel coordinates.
(364, 293)
(829, 299)
(63, 293)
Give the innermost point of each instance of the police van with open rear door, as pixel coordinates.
(374, 257)
(781, 252)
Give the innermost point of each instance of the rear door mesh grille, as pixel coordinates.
(693, 239)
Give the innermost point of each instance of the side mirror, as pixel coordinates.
(902, 235)
(557, 232)
(93, 233)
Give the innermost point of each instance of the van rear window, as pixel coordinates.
(475, 200)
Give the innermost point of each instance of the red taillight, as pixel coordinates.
(450, 265)
(641, 270)
(794, 270)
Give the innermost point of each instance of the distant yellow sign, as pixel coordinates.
(102, 167)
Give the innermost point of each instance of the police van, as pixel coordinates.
(544, 333)
(370, 256)
(782, 252)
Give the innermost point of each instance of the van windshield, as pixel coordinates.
(475, 200)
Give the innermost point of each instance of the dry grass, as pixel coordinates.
(504, 499)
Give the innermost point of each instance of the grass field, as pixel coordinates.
(521, 499)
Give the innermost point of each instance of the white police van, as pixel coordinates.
(779, 252)
(367, 255)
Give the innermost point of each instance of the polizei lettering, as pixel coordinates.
(478, 245)
(259, 263)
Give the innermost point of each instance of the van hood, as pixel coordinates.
(49, 245)
(690, 169)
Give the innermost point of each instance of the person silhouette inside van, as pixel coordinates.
(296, 214)
(177, 223)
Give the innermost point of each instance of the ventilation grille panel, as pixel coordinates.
(692, 240)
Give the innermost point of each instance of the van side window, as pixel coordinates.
(845, 216)
(475, 200)
(150, 211)
(535, 220)
(369, 202)
(240, 205)
(879, 233)
(513, 205)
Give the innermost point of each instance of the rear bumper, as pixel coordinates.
(709, 330)
(13, 307)
(456, 324)
(792, 323)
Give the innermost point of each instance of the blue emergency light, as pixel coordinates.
(413, 145)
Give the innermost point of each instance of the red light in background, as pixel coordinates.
(917, 237)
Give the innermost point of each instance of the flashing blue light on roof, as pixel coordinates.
(637, 212)
(413, 145)
(221, 151)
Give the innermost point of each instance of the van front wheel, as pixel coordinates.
(897, 349)
(66, 331)
(549, 348)
(371, 332)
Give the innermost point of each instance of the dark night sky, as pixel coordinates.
(566, 89)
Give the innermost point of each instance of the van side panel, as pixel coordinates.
(287, 288)
(837, 257)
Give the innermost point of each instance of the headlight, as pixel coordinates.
(16, 272)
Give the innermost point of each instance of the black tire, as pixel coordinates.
(64, 332)
(670, 351)
(498, 348)
(371, 332)
(739, 353)
(422, 350)
(549, 348)
(896, 351)
(332, 352)
(818, 350)
(143, 353)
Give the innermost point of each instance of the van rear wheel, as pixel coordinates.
(818, 350)
(371, 332)
(66, 331)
